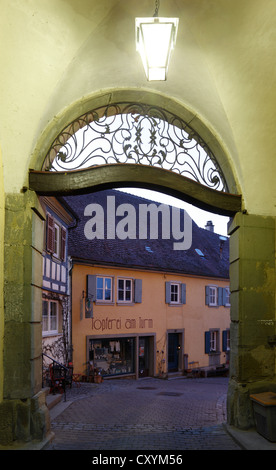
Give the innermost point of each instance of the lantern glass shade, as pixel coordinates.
(155, 40)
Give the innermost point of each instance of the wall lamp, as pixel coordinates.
(155, 40)
(87, 302)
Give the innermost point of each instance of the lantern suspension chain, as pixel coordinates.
(157, 4)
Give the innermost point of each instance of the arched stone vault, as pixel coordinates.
(74, 56)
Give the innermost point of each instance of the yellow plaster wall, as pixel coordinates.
(194, 317)
(2, 209)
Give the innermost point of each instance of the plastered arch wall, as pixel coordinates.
(2, 231)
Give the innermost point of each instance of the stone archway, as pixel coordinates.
(23, 405)
(123, 174)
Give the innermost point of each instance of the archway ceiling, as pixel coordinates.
(223, 70)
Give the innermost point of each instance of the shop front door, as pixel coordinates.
(144, 362)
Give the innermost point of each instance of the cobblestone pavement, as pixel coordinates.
(179, 414)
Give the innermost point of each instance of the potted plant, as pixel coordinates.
(97, 376)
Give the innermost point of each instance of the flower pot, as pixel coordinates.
(98, 379)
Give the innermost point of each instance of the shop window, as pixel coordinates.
(112, 356)
(175, 293)
(50, 317)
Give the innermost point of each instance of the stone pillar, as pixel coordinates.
(23, 413)
(252, 284)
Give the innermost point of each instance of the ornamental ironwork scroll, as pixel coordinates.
(139, 134)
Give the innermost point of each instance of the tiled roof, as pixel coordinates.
(148, 254)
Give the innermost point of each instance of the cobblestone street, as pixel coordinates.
(148, 414)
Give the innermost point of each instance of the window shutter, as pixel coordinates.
(183, 293)
(224, 340)
(63, 243)
(168, 292)
(224, 297)
(138, 290)
(91, 286)
(207, 342)
(50, 234)
(207, 290)
(220, 296)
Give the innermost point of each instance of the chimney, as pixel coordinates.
(209, 226)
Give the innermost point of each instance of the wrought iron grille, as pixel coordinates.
(139, 134)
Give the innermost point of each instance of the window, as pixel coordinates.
(226, 340)
(113, 356)
(212, 296)
(100, 288)
(56, 238)
(217, 296)
(212, 341)
(104, 289)
(175, 293)
(226, 297)
(49, 317)
(124, 290)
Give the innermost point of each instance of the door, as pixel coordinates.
(143, 352)
(173, 352)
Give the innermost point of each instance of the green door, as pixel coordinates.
(173, 352)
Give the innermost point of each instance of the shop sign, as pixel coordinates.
(113, 324)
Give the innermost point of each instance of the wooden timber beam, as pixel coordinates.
(140, 176)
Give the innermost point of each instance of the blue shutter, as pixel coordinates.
(138, 290)
(91, 286)
(168, 292)
(224, 340)
(220, 296)
(207, 295)
(224, 297)
(207, 342)
(183, 293)
(90, 295)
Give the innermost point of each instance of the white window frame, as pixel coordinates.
(124, 290)
(175, 292)
(49, 330)
(228, 340)
(104, 289)
(227, 297)
(214, 341)
(56, 240)
(213, 296)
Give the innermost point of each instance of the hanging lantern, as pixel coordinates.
(155, 40)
